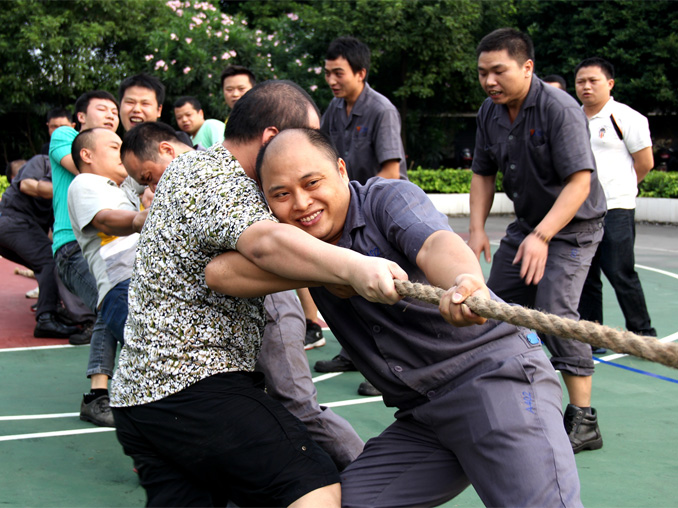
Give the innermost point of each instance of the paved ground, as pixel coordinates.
(51, 458)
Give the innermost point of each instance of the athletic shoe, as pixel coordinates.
(582, 429)
(336, 364)
(98, 412)
(83, 337)
(49, 327)
(314, 336)
(33, 293)
(598, 350)
(366, 388)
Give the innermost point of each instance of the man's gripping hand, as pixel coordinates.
(372, 278)
(452, 307)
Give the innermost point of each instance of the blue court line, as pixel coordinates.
(638, 371)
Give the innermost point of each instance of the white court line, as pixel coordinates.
(59, 433)
(37, 417)
(663, 272)
(56, 346)
(324, 377)
(352, 402)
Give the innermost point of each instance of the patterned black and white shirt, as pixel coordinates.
(179, 331)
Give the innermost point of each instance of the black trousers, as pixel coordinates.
(24, 242)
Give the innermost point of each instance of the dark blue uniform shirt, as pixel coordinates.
(407, 350)
(547, 142)
(15, 203)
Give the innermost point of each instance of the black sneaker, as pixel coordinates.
(49, 327)
(83, 337)
(582, 429)
(336, 364)
(366, 388)
(98, 412)
(314, 336)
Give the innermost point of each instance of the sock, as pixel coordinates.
(94, 394)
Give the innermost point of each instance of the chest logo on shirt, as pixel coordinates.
(536, 133)
(601, 133)
(375, 253)
(361, 130)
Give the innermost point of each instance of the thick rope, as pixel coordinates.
(597, 335)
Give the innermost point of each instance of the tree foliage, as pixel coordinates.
(423, 53)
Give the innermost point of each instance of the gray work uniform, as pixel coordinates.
(547, 142)
(478, 405)
(284, 364)
(368, 137)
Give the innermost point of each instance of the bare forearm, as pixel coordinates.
(233, 274)
(390, 169)
(444, 256)
(36, 188)
(480, 201)
(115, 222)
(293, 254)
(643, 162)
(573, 195)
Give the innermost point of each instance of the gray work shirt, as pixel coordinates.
(547, 142)
(407, 350)
(368, 137)
(15, 203)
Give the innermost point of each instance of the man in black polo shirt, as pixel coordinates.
(538, 137)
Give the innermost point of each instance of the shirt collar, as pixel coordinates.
(605, 111)
(354, 217)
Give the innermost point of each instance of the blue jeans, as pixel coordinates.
(74, 273)
(114, 310)
(616, 259)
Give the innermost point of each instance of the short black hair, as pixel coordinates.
(354, 51)
(596, 61)
(315, 137)
(142, 140)
(518, 44)
(234, 70)
(188, 99)
(82, 140)
(144, 80)
(82, 103)
(276, 103)
(555, 78)
(58, 113)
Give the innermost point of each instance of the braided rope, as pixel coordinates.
(597, 335)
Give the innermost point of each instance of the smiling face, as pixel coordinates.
(305, 188)
(593, 87)
(139, 105)
(104, 156)
(100, 113)
(343, 82)
(188, 119)
(504, 79)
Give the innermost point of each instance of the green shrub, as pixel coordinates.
(458, 181)
(445, 181)
(659, 185)
(4, 183)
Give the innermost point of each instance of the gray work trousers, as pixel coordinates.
(569, 258)
(284, 363)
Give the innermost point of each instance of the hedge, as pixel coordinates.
(656, 184)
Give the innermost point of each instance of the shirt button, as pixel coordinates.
(376, 328)
(430, 394)
(512, 166)
(510, 137)
(398, 368)
(515, 194)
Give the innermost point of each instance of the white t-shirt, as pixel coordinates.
(613, 155)
(110, 258)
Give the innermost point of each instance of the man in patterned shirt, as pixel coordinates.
(189, 409)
